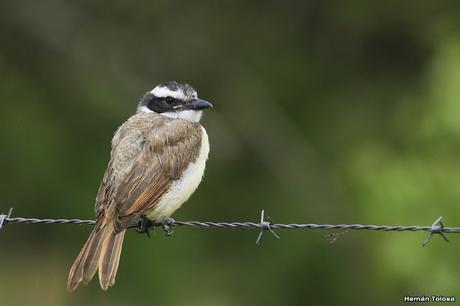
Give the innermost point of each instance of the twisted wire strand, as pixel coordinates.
(436, 228)
(208, 224)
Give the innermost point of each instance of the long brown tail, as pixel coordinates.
(101, 251)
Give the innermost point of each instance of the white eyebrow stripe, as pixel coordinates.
(162, 92)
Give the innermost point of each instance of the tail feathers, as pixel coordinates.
(109, 259)
(101, 242)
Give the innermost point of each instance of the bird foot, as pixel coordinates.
(144, 225)
(168, 226)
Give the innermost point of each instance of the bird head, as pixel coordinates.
(174, 100)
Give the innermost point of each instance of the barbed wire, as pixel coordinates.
(264, 225)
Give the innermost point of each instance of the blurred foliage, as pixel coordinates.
(324, 112)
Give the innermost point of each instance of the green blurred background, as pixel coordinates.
(325, 112)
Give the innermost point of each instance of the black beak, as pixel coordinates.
(199, 104)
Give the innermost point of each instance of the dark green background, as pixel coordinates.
(325, 112)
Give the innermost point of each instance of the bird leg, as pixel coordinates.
(144, 225)
(168, 226)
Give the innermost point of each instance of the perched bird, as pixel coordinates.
(157, 161)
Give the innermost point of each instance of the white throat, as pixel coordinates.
(189, 115)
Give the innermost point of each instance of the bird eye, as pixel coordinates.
(169, 100)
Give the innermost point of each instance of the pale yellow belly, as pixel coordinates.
(182, 189)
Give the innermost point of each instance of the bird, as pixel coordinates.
(158, 158)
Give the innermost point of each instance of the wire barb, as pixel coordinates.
(436, 228)
(4, 218)
(265, 225)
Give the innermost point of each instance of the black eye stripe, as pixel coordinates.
(170, 100)
(153, 104)
(161, 104)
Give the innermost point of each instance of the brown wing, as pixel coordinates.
(149, 152)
